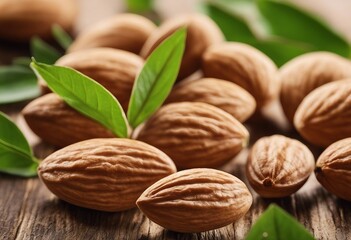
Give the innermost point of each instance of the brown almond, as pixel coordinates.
(278, 166)
(55, 122)
(104, 174)
(115, 69)
(333, 169)
(202, 32)
(323, 117)
(125, 31)
(305, 73)
(196, 200)
(195, 134)
(245, 66)
(22, 19)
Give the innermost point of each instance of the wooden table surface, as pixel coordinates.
(29, 211)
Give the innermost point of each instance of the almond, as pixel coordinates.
(104, 174)
(125, 31)
(333, 169)
(195, 134)
(245, 66)
(201, 33)
(115, 69)
(22, 19)
(278, 166)
(305, 73)
(55, 122)
(222, 94)
(323, 117)
(196, 200)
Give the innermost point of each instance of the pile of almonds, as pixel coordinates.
(220, 85)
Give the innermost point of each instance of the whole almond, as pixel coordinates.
(245, 66)
(333, 169)
(196, 200)
(195, 134)
(305, 73)
(125, 31)
(56, 123)
(115, 69)
(222, 94)
(323, 117)
(22, 19)
(104, 174)
(278, 166)
(201, 33)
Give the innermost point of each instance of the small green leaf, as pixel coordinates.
(17, 83)
(276, 224)
(139, 5)
(43, 52)
(292, 23)
(156, 79)
(85, 95)
(15, 153)
(22, 61)
(61, 36)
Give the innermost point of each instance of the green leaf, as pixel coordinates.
(156, 79)
(17, 84)
(292, 23)
(43, 52)
(276, 224)
(22, 61)
(16, 156)
(139, 5)
(61, 36)
(85, 95)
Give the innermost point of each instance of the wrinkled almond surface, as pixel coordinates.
(333, 169)
(278, 166)
(125, 31)
(323, 117)
(196, 200)
(305, 73)
(245, 66)
(220, 93)
(195, 134)
(55, 122)
(104, 174)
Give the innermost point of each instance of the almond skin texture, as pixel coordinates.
(104, 174)
(305, 73)
(195, 134)
(323, 117)
(333, 169)
(22, 19)
(201, 33)
(278, 166)
(220, 93)
(125, 31)
(245, 66)
(115, 69)
(56, 123)
(196, 200)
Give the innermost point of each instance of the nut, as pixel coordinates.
(323, 117)
(201, 33)
(125, 31)
(104, 174)
(245, 66)
(195, 134)
(333, 169)
(278, 166)
(222, 94)
(115, 69)
(23, 19)
(196, 200)
(305, 73)
(55, 122)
